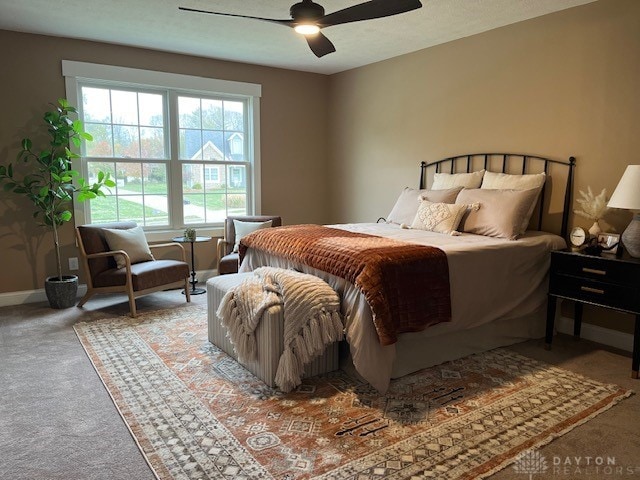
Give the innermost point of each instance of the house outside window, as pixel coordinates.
(212, 174)
(237, 177)
(180, 156)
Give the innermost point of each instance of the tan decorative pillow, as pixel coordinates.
(132, 241)
(406, 207)
(448, 195)
(502, 181)
(439, 217)
(451, 180)
(501, 212)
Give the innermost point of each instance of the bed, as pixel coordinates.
(498, 286)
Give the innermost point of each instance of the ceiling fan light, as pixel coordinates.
(307, 29)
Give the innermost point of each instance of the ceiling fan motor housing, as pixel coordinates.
(306, 10)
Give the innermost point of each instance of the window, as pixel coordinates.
(212, 140)
(129, 141)
(211, 174)
(180, 154)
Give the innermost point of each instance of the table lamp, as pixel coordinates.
(627, 196)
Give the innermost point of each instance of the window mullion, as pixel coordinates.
(176, 205)
(253, 144)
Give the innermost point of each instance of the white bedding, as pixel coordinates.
(490, 279)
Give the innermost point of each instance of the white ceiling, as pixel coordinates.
(158, 24)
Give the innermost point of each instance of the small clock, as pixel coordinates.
(578, 237)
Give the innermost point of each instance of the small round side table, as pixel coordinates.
(193, 281)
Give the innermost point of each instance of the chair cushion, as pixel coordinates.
(132, 241)
(245, 228)
(145, 275)
(228, 264)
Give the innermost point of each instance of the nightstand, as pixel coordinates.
(608, 282)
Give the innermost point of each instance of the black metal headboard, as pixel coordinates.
(508, 163)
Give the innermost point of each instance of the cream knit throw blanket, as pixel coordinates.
(312, 320)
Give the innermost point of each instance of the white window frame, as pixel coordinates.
(77, 72)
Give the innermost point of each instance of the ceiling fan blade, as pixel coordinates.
(368, 11)
(286, 23)
(320, 45)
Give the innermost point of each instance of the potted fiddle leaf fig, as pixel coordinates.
(47, 180)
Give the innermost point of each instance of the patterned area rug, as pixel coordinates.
(198, 414)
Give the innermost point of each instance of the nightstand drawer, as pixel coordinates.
(596, 268)
(600, 293)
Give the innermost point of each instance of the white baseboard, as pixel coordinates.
(30, 296)
(605, 336)
(34, 296)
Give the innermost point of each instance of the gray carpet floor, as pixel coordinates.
(57, 421)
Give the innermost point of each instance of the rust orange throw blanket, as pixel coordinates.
(405, 285)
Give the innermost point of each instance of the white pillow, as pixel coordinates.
(245, 228)
(451, 180)
(505, 181)
(406, 207)
(501, 181)
(131, 241)
(439, 217)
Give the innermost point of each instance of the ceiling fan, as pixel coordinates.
(308, 18)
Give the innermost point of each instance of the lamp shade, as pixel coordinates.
(627, 193)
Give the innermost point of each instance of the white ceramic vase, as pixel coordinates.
(595, 229)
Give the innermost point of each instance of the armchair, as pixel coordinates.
(227, 258)
(137, 279)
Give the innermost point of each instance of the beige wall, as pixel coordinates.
(560, 85)
(293, 143)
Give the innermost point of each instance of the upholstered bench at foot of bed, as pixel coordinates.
(269, 335)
